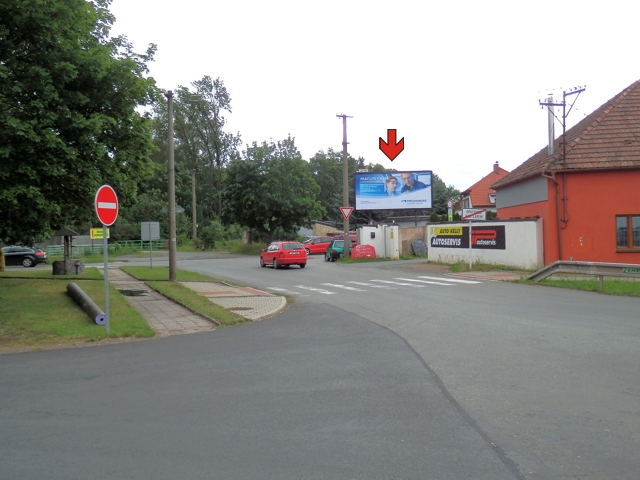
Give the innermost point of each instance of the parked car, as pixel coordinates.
(25, 256)
(335, 250)
(317, 245)
(283, 254)
(352, 236)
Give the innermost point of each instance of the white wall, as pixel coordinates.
(523, 239)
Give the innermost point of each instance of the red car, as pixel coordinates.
(352, 236)
(317, 245)
(283, 254)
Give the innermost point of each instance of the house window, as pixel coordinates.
(492, 198)
(628, 232)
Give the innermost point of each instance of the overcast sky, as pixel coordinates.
(459, 80)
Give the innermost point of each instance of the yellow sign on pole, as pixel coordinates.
(97, 233)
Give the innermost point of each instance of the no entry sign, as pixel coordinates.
(106, 205)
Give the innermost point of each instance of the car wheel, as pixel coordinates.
(275, 263)
(302, 265)
(27, 262)
(308, 251)
(262, 264)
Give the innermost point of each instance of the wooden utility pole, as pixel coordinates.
(173, 267)
(345, 182)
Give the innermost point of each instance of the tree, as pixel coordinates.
(441, 194)
(68, 114)
(201, 142)
(271, 188)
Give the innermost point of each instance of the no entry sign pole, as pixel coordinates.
(106, 204)
(105, 250)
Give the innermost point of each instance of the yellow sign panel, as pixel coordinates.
(445, 231)
(97, 233)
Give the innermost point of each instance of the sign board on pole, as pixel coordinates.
(106, 205)
(474, 214)
(150, 231)
(97, 233)
(346, 211)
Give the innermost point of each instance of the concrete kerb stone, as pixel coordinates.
(245, 301)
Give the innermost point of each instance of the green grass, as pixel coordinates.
(90, 273)
(37, 313)
(247, 248)
(162, 273)
(484, 267)
(611, 286)
(197, 302)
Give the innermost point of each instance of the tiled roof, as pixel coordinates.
(607, 138)
(479, 191)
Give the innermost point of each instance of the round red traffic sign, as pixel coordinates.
(106, 205)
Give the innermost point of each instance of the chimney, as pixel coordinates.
(496, 168)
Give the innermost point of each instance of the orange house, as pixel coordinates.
(588, 191)
(480, 194)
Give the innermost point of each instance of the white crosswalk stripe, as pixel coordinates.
(284, 291)
(319, 290)
(424, 281)
(397, 283)
(455, 280)
(353, 289)
(365, 284)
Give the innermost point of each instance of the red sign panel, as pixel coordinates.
(106, 205)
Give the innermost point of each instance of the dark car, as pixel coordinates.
(283, 254)
(317, 245)
(336, 250)
(25, 256)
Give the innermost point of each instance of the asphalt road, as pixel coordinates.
(550, 376)
(314, 393)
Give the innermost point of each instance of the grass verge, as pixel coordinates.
(90, 273)
(196, 302)
(37, 313)
(611, 286)
(162, 273)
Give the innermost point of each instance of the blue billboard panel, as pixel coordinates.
(393, 190)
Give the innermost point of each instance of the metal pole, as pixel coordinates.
(173, 275)
(150, 247)
(193, 206)
(105, 255)
(469, 244)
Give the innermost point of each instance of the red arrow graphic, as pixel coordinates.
(390, 148)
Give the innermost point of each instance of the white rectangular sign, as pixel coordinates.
(150, 231)
(474, 214)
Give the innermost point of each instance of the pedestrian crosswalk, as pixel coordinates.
(396, 283)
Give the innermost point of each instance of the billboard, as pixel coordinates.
(485, 237)
(393, 190)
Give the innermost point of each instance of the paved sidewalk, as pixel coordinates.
(493, 276)
(167, 317)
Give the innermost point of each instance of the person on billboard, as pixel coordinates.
(391, 185)
(411, 184)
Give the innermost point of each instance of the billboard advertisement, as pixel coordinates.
(393, 190)
(482, 237)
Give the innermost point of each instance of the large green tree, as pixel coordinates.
(442, 193)
(271, 188)
(68, 114)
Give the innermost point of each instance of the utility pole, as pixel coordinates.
(173, 268)
(193, 206)
(345, 183)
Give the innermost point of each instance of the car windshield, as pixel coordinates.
(291, 246)
(338, 244)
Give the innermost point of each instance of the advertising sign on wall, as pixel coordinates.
(393, 190)
(482, 237)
